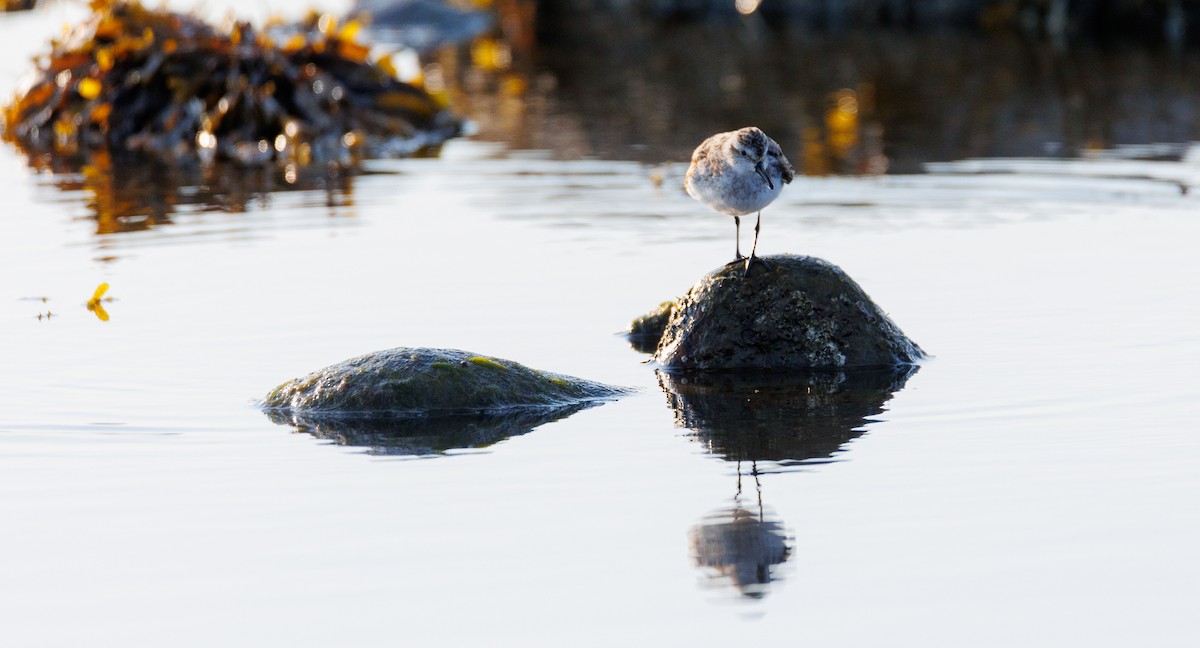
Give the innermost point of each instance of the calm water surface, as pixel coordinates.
(1035, 483)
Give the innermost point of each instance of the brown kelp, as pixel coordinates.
(132, 79)
(16, 5)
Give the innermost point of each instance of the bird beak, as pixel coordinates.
(758, 168)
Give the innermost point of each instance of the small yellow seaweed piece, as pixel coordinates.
(94, 303)
(385, 63)
(350, 30)
(295, 43)
(104, 58)
(490, 54)
(348, 49)
(109, 28)
(99, 294)
(486, 362)
(64, 131)
(89, 88)
(100, 113)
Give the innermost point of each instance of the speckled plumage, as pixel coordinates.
(738, 173)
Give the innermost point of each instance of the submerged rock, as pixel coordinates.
(421, 382)
(799, 312)
(645, 331)
(423, 436)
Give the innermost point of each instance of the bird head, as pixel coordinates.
(752, 144)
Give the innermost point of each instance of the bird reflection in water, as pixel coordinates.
(739, 545)
(780, 419)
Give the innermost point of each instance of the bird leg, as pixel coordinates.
(737, 224)
(757, 226)
(753, 258)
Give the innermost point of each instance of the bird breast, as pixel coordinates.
(736, 191)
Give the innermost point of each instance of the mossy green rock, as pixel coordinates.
(645, 331)
(797, 312)
(424, 382)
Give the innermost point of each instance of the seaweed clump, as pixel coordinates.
(132, 79)
(17, 5)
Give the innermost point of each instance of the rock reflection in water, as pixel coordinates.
(781, 417)
(132, 193)
(741, 546)
(424, 436)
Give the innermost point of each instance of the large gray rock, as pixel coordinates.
(800, 312)
(424, 382)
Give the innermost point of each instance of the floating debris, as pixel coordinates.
(132, 79)
(94, 305)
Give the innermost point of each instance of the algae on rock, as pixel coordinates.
(645, 331)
